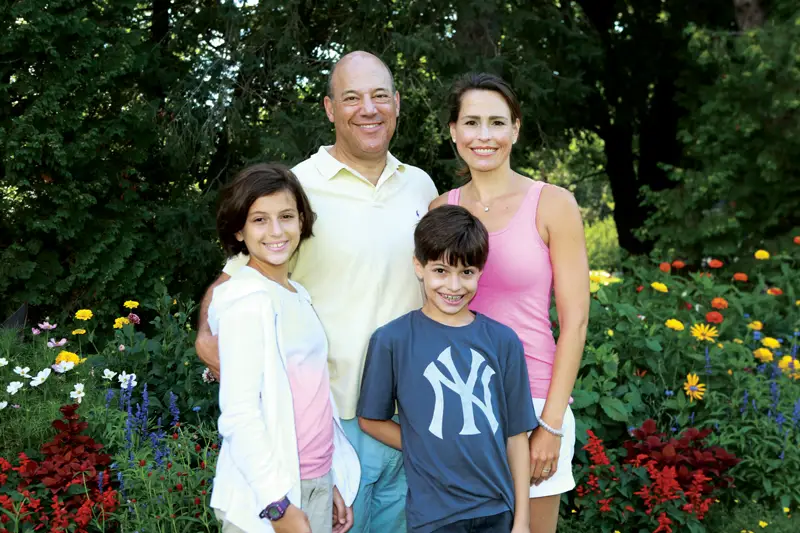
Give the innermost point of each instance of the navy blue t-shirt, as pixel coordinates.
(461, 393)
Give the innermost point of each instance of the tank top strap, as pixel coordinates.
(531, 205)
(533, 198)
(454, 196)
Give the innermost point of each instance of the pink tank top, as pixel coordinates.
(516, 287)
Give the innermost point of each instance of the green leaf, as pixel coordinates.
(584, 398)
(653, 345)
(614, 408)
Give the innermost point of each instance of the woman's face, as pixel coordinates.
(484, 132)
(272, 230)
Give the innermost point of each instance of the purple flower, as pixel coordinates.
(36, 331)
(133, 317)
(109, 397)
(173, 408)
(744, 403)
(100, 481)
(757, 335)
(708, 362)
(669, 393)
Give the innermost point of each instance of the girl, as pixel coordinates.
(536, 244)
(285, 464)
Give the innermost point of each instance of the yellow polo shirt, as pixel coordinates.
(358, 266)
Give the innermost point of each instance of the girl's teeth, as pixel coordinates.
(276, 246)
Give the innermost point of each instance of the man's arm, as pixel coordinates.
(385, 431)
(206, 344)
(519, 461)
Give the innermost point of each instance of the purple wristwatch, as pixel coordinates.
(275, 510)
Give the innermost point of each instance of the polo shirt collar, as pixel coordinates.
(328, 166)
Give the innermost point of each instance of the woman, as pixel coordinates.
(536, 246)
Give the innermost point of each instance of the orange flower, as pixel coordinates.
(797, 240)
(678, 264)
(714, 317)
(715, 263)
(740, 276)
(664, 267)
(719, 303)
(774, 291)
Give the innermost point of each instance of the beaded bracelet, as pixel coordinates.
(545, 426)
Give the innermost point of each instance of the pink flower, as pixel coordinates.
(121, 348)
(53, 344)
(134, 318)
(47, 325)
(36, 331)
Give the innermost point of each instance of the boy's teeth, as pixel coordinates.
(451, 298)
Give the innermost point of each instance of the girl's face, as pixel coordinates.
(484, 132)
(272, 230)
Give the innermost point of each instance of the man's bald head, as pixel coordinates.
(355, 60)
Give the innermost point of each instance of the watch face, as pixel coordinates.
(274, 513)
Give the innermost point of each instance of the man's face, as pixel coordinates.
(364, 109)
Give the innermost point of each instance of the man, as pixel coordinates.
(357, 267)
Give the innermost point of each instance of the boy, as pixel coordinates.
(461, 387)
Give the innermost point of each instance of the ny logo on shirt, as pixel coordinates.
(464, 389)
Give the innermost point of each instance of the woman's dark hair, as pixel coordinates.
(248, 186)
(452, 234)
(481, 81)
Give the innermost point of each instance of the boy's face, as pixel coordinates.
(448, 288)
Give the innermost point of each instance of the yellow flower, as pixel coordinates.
(738, 341)
(660, 287)
(677, 325)
(131, 304)
(797, 302)
(602, 277)
(704, 332)
(787, 361)
(762, 523)
(693, 388)
(730, 372)
(610, 332)
(121, 321)
(69, 357)
(762, 254)
(174, 301)
(771, 342)
(786, 510)
(84, 314)
(755, 325)
(720, 345)
(79, 331)
(763, 355)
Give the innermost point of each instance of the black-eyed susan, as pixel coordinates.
(704, 332)
(693, 388)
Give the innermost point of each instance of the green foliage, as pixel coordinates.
(602, 246)
(742, 142)
(635, 366)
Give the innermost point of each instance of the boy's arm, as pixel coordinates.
(385, 431)
(519, 460)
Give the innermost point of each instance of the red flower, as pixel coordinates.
(197, 501)
(142, 462)
(605, 505)
(774, 291)
(688, 306)
(740, 276)
(797, 239)
(663, 521)
(678, 264)
(715, 263)
(664, 267)
(174, 436)
(714, 317)
(197, 447)
(640, 288)
(179, 487)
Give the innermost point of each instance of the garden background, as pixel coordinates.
(676, 125)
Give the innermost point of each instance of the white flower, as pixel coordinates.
(3, 361)
(108, 374)
(78, 393)
(41, 377)
(22, 371)
(208, 377)
(3, 405)
(13, 387)
(63, 366)
(126, 380)
(53, 344)
(121, 348)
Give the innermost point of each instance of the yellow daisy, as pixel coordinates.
(762, 254)
(755, 325)
(131, 304)
(763, 355)
(121, 321)
(693, 388)
(704, 332)
(79, 331)
(771, 342)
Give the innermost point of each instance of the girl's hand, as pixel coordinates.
(545, 450)
(342, 515)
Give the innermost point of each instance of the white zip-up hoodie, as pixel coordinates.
(258, 462)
